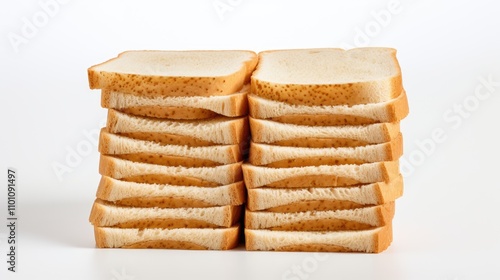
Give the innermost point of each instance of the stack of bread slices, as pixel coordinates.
(323, 171)
(172, 149)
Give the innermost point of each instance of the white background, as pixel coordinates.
(446, 226)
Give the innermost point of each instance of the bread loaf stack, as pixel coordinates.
(323, 171)
(172, 149)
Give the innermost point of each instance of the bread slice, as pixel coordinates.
(325, 77)
(369, 241)
(174, 73)
(169, 155)
(174, 175)
(215, 131)
(319, 176)
(339, 220)
(106, 214)
(393, 110)
(177, 107)
(279, 156)
(324, 199)
(179, 238)
(269, 132)
(123, 193)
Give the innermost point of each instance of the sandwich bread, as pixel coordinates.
(174, 73)
(326, 77)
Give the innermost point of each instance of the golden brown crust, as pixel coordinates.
(162, 202)
(310, 205)
(323, 180)
(323, 120)
(382, 239)
(100, 238)
(312, 161)
(399, 109)
(104, 189)
(165, 244)
(167, 179)
(168, 139)
(165, 160)
(174, 113)
(390, 191)
(171, 86)
(314, 248)
(312, 142)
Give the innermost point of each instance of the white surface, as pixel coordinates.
(446, 225)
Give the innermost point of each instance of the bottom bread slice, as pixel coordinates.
(368, 241)
(181, 238)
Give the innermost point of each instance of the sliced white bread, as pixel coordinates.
(177, 107)
(369, 241)
(174, 175)
(333, 220)
(270, 132)
(105, 214)
(319, 77)
(393, 110)
(279, 156)
(319, 176)
(169, 155)
(179, 238)
(133, 194)
(323, 199)
(174, 73)
(214, 131)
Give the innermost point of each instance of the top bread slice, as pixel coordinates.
(174, 73)
(393, 110)
(317, 77)
(177, 107)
